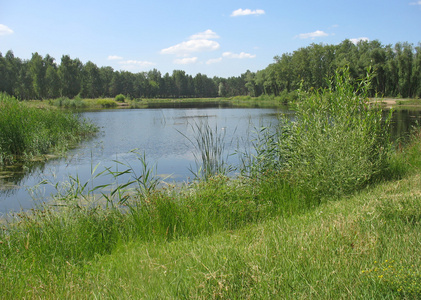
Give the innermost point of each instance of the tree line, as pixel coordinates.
(397, 69)
(42, 78)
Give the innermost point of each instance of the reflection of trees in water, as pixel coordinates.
(11, 177)
(403, 122)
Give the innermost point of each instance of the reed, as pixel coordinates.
(209, 150)
(337, 143)
(29, 131)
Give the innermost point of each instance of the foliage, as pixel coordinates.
(27, 131)
(209, 146)
(337, 143)
(397, 68)
(65, 102)
(107, 103)
(120, 98)
(228, 240)
(264, 236)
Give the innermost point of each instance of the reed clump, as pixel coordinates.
(337, 143)
(28, 131)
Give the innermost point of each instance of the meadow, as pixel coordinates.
(326, 208)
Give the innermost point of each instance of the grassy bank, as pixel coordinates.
(362, 247)
(325, 208)
(126, 102)
(27, 131)
(224, 238)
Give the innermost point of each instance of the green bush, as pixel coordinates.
(107, 103)
(120, 98)
(337, 143)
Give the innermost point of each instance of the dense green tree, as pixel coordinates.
(23, 87)
(154, 83)
(127, 80)
(3, 72)
(106, 76)
(38, 69)
(251, 85)
(397, 73)
(180, 82)
(115, 86)
(52, 79)
(417, 71)
(404, 56)
(12, 69)
(52, 82)
(168, 86)
(70, 76)
(91, 81)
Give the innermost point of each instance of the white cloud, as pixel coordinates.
(247, 12)
(197, 44)
(239, 55)
(357, 40)
(214, 60)
(4, 30)
(415, 3)
(185, 61)
(114, 57)
(206, 35)
(312, 35)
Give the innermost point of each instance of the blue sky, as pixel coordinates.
(216, 38)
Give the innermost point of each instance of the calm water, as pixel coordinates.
(159, 133)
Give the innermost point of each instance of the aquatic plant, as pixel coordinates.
(27, 131)
(209, 146)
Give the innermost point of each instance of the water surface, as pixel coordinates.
(160, 133)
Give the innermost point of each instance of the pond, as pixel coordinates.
(161, 134)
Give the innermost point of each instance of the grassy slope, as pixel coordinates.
(327, 253)
(365, 246)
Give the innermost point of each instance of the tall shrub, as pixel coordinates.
(337, 143)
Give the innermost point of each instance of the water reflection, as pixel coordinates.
(158, 133)
(403, 121)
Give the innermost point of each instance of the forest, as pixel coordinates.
(397, 74)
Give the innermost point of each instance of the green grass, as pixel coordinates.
(323, 254)
(408, 102)
(266, 235)
(223, 239)
(27, 131)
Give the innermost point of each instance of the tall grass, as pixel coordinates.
(265, 236)
(338, 142)
(27, 131)
(209, 150)
(76, 103)
(358, 247)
